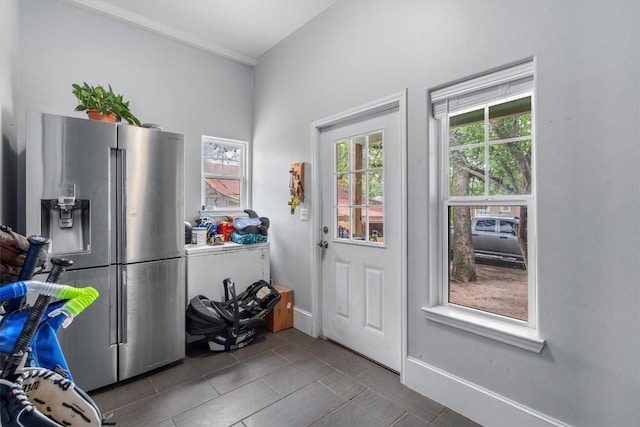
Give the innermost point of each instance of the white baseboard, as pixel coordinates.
(474, 402)
(303, 321)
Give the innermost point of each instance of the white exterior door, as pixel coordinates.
(362, 199)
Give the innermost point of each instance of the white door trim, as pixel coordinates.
(398, 100)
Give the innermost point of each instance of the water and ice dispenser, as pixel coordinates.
(67, 221)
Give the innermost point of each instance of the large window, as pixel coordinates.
(485, 142)
(224, 175)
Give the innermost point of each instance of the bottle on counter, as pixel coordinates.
(225, 229)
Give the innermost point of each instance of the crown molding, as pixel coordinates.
(106, 9)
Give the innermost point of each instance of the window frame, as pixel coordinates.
(245, 181)
(493, 88)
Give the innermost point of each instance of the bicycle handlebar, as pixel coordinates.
(77, 298)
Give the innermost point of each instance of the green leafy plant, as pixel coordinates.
(105, 101)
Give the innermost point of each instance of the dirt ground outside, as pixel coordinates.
(501, 288)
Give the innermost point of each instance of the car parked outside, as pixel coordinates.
(495, 236)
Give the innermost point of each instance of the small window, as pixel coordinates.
(224, 175)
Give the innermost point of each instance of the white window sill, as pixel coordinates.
(517, 335)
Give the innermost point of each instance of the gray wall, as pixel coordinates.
(588, 114)
(181, 88)
(9, 19)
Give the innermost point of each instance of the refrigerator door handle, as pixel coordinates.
(123, 208)
(123, 307)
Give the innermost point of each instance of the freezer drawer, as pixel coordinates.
(152, 316)
(244, 264)
(89, 344)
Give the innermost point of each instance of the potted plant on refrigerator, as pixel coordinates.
(102, 104)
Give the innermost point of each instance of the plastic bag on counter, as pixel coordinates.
(247, 239)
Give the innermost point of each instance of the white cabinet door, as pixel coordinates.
(208, 267)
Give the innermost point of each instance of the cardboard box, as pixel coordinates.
(281, 317)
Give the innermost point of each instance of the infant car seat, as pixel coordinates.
(237, 321)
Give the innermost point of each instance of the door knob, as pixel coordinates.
(323, 244)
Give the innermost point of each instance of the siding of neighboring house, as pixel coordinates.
(225, 192)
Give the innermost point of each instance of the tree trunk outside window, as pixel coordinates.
(463, 263)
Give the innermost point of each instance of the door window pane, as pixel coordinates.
(359, 189)
(376, 224)
(342, 156)
(376, 187)
(375, 151)
(359, 223)
(359, 153)
(344, 223)
(342, 189)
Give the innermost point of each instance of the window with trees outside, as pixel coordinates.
(485, 142)
(224, 174)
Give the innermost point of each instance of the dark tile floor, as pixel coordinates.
(285, 379)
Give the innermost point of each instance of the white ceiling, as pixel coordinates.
(240, 30)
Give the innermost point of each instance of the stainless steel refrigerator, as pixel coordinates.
(111, 198)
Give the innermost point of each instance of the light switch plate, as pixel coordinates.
(304, 214)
